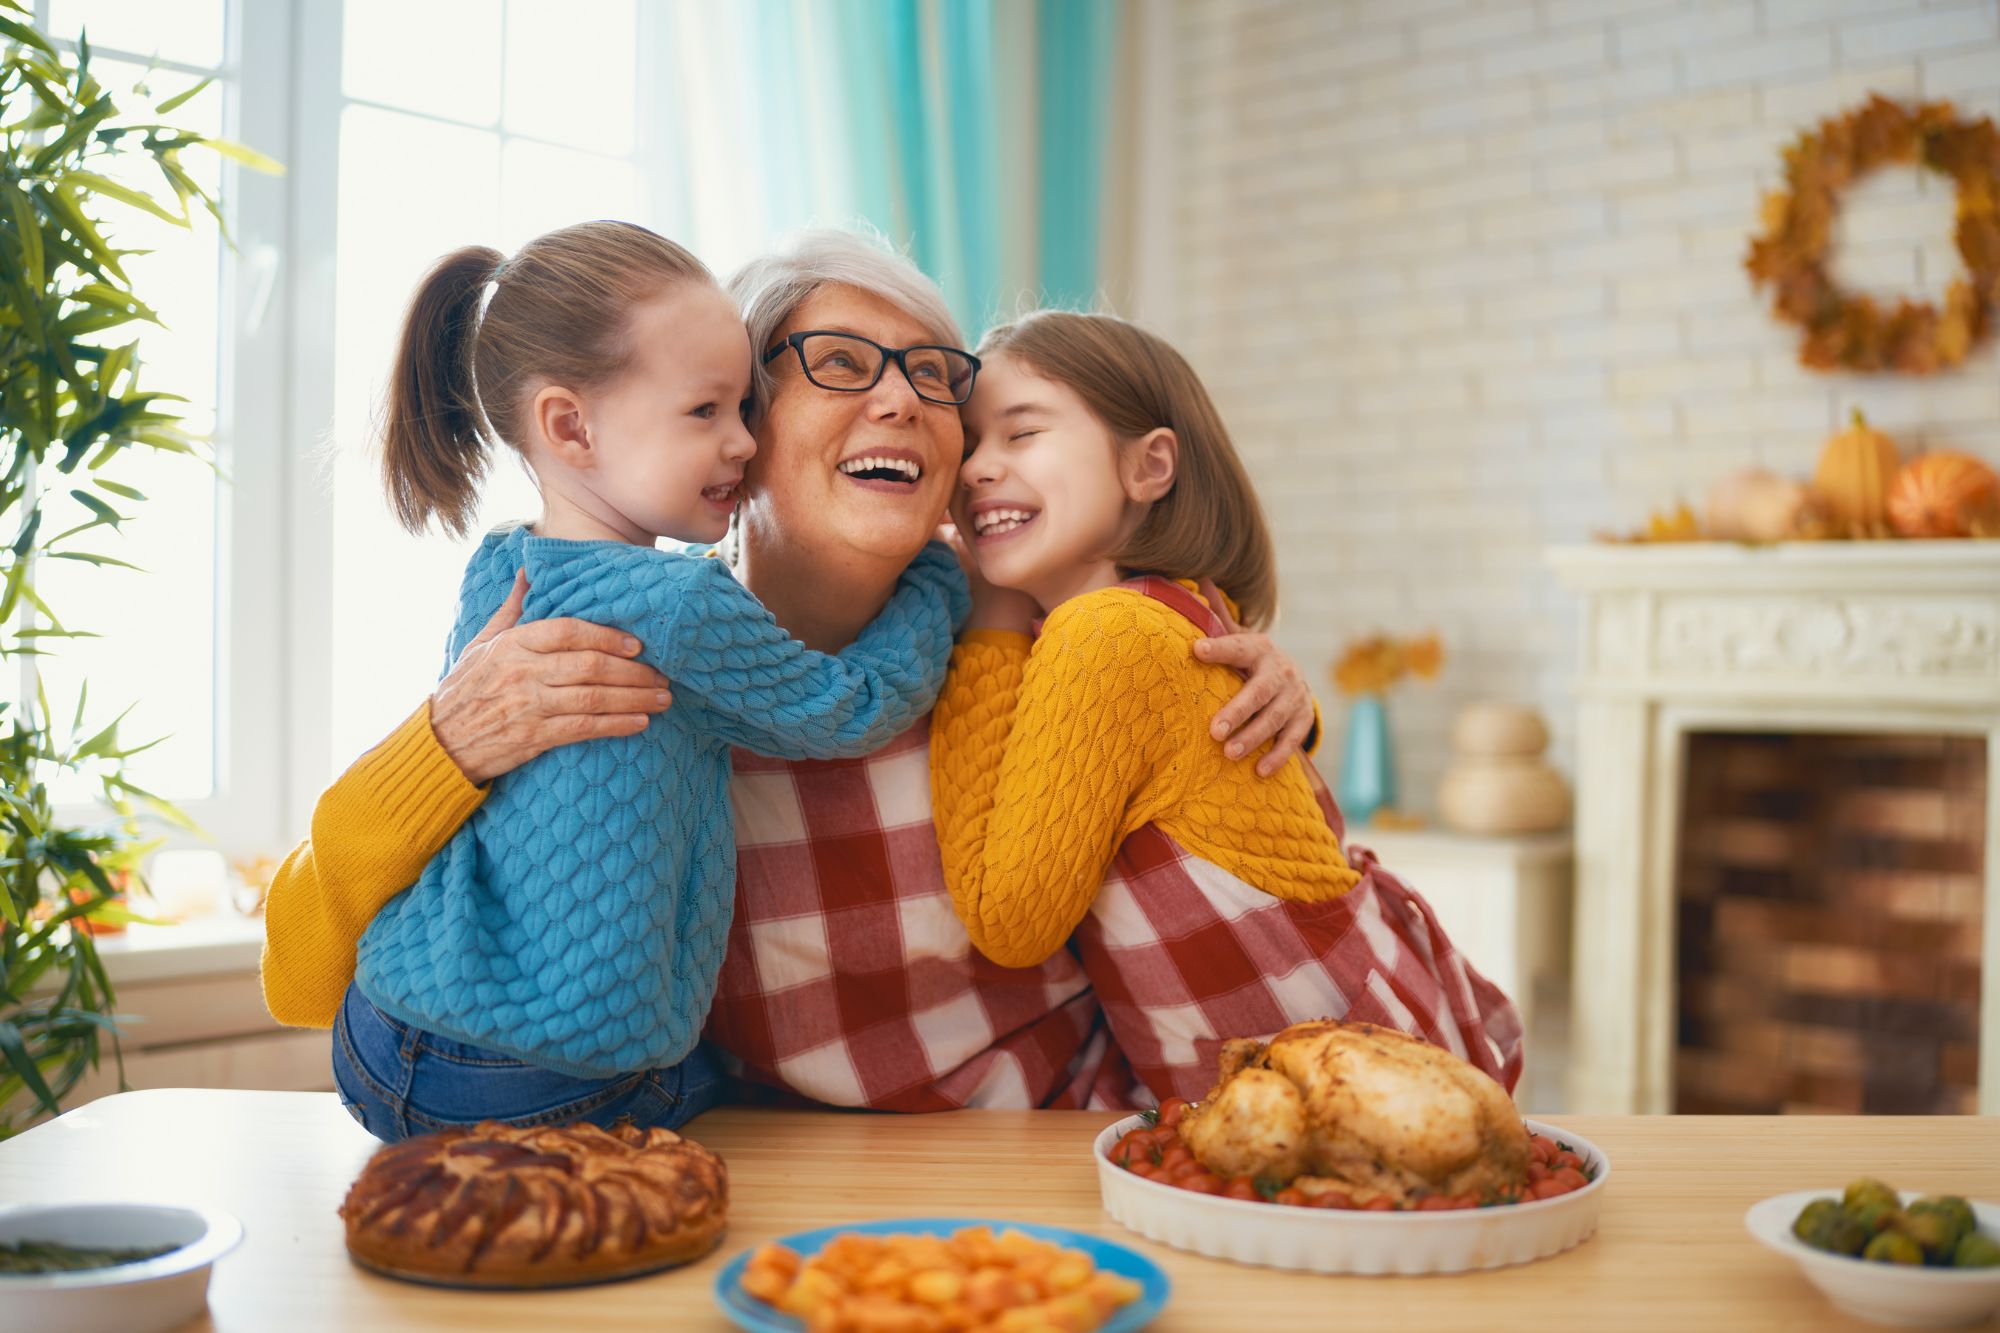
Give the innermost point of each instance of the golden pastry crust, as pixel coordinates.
(496, 1205)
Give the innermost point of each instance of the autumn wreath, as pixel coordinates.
(1851, 331)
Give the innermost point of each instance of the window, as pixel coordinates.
(461, 122)
(160, 628)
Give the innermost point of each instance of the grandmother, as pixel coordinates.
(848, 979)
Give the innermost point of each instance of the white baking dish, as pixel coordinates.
(1326, 1240)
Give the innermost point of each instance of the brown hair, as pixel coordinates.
(1209, 526)
(559, 313)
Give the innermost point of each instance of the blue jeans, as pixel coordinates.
(397, 1080)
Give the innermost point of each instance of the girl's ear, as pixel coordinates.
(1148, 465)
(556, 418)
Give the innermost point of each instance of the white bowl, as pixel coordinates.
(145, 1297)
(1333, 1240)
(1882, 1293)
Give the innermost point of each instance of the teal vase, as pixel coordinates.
(1368, 765)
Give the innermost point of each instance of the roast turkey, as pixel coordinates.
(1362, 1109)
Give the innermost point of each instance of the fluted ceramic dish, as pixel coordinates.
(1333, 1240)
(1913, 1296)
(152, 1294)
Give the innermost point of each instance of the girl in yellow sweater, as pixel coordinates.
(1095, 459)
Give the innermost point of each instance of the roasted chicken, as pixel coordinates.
(1365, 1110)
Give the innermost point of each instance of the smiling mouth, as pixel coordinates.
(722, 495)
(901, 471)
(1001, 522)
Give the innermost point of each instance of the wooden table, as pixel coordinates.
(1670, 1252)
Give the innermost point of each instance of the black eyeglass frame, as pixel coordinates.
(797, 342)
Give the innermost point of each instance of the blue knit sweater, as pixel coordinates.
(577, 920)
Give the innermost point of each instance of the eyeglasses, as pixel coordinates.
(850, 363)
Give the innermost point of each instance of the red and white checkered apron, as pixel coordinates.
(848, 978)
(1183, 954)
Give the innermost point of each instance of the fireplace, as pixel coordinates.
(1827, 925)
(1787, 875)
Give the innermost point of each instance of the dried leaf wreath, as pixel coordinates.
(1852, 332)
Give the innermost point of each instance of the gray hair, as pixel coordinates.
(768, 289)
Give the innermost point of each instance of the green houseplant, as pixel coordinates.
(71, 404)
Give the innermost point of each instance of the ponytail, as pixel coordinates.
(434, 449)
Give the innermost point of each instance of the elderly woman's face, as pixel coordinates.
(809, 475)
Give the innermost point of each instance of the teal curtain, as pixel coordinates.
(970, 132)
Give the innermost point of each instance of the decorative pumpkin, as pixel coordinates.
(1498, 782)
(1852, 481)
(1945, 494)
(1756, 505)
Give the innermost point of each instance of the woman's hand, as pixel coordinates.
(992, 607)
(519, 690)
(1275, 700)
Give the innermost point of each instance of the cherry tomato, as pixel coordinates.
(1541, 1149)
(1537, 1171)
(1569, 1178)
(1380, 1204)
(1176, 1156)
(1548, 1189)
(1242, 1187)
(1332, 1199)
(1437, 1203)
(1291, 1195)
(1201, 1182)
(1171, 1111)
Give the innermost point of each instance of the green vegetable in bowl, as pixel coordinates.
(1936, 1232)
(1876, 1217)
(47, 1256)
(1977, 1250)
(1956, 1212)
(1813, 1216)
(1868, 1190)
(1893, 1247)
(1837, 1232)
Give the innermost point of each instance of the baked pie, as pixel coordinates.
(494, 1205)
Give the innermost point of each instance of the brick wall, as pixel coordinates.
(1465, 278)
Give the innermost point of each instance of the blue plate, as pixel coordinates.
(746, 1311)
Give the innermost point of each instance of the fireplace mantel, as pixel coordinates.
(1677, 638)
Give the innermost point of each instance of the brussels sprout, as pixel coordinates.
(1813, 1215)
(1977, 1250)
(1933, 1230)
(1837, 1233)
(1876, 1217)
(1954, 1209)
(1893, 1247)
(1866, 1191)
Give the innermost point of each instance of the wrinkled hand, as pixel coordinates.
(519, 690)
(1275, 701)
(992, 607)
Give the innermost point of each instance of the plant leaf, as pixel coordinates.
(16, 1051)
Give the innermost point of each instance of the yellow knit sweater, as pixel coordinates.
(373, 832)
(1044, 759)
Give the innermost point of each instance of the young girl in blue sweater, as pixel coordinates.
(555, 961)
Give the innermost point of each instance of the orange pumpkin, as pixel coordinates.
(1852, 481)
(1945, 494)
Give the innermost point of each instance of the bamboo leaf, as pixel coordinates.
(124, 194)
(179, 99)
(25, 35)
(16, 1052)
(98, 507)
(239, 153)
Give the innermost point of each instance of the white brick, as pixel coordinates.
(1561, 13)
(1795, 13)
(1474, 270)
(1727, 108)
(1551, 384)
(1807, 103)
(1616, 339)
(1689, 290)
(1908, 34)
(1503, 310)
(1543, 54)
(1710, 25)
(1497, 105)
(1644, 252)
(1734, 196)
(1799, 412)
(1493, 185)
(1548, 220)
(1754, 148)
(1681, 376)
(1459, 32)
(1973, 71)
(1632, 83)
(1414, 160)
(1543, 141)
(1765, 58)
(1632, 166)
